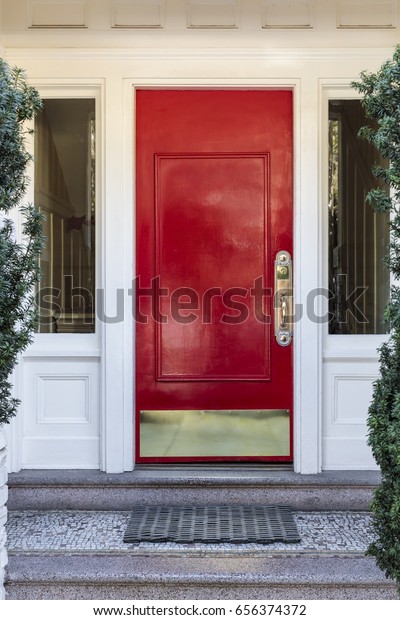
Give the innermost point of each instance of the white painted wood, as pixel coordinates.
(129, 270)
(351, 396)
(61, 452)
(288, 13)
(58, 378)
(250, 19)
(113, 269)
(3, 509)
(13, 430)
(347, 453)
(57, 14)
(350, 363)
(213, 13)
(367, 13)
(63, 399)
(61, 426)
(138, 13)
(307, 274)
(248, 57)
(347, 395)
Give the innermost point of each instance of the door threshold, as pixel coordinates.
(214, 466)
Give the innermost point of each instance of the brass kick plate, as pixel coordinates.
(215, 433)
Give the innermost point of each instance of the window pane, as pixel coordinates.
(65, 193)
(358, 237)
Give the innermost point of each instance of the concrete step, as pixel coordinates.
(210, 576)
(81, 555)
(94, 490)
(66, 528)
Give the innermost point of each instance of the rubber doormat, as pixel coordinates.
(212, 524)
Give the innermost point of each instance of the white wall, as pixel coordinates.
(316, 48)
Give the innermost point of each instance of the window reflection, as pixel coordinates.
(358, 236)
(65, 193)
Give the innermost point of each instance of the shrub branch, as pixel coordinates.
(19, 262)
(381, 100)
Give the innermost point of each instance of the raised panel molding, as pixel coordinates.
(288, 13)
(351, 394)
(104, 17)
(54, 14)
(366, 14)
(213, 13)
(60, 413)
(347, 391)
(138, 13)
(63, 399)
(212, 175)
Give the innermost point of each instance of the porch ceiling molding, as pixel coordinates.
(278, 54)
(203, 14)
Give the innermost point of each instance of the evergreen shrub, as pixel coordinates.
(19, 266)
(381, 100)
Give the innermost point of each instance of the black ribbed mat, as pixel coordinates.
(212, 524)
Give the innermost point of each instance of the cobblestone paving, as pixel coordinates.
(88, 531)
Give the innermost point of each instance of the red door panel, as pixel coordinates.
(214, 206)
(196, 222)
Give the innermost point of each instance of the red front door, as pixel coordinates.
(214, 214)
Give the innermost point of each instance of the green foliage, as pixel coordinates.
(18, 261)
(381, 100)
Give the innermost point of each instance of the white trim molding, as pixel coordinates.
(349, 362)
(252, 54)
(113, 74)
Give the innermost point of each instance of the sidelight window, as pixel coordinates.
(358, 236)
(65, 141)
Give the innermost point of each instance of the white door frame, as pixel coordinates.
(306, 446)
(118, 72)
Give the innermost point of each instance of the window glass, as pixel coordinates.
(65, 193)
(358, 236)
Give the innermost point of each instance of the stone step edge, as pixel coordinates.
(301, 500)
(179, 553)
(188, 478)
(77, 569)
(94, 490)
(123, 499)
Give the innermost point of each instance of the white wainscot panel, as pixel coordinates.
(351, 398)
(366, 13)
(347, 393)
(213, 13)
(138, 13)
(288, 13)
(57, 14)
(60, 401)
(63, 399)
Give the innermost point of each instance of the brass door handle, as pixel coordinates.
(283, 306)
(283, 310)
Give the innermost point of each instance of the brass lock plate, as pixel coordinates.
(283, 299)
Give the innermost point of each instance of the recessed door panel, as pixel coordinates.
(208, 208)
